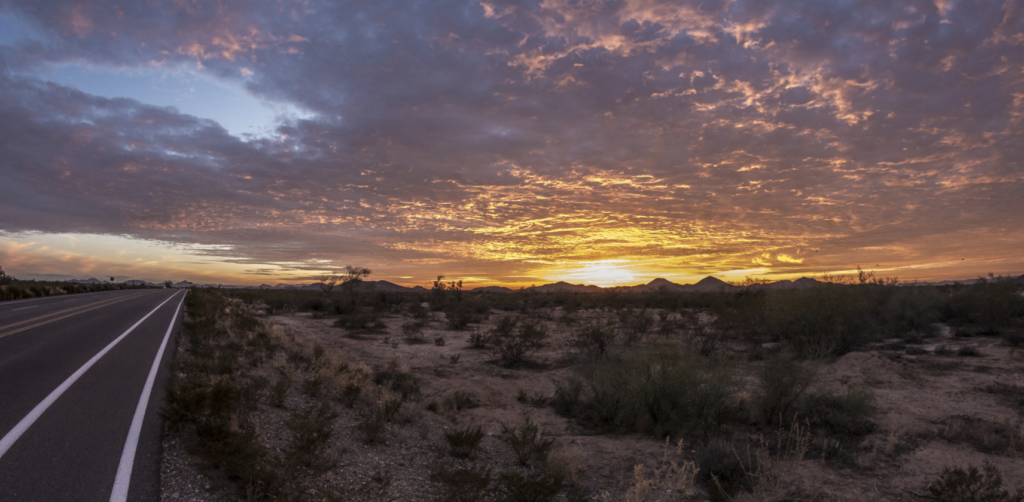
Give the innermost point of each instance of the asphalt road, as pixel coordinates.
(73, 373)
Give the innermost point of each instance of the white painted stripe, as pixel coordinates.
(25, 423)
(124, 469)
(23, 308)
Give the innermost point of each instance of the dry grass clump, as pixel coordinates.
(568, 464)
(671, 481)
(452, 401)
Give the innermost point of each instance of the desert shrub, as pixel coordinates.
(316, 304)
(723, 469)
(635, 324)
(439, 341)
(478, 340)
(514, 486)
(466, 312)
(662, 389)
(968, 351)
(454, 400)
(990, 303)
(5, 279)
(841, 414)
(311, 429)
(468, 484)
(781, 383)
(416, 310)
(1014, 339)
(526, 442)
(567, 464)
(298, 358)
(358, 321)
(212, 395)
(373, 426)
(396, 377)
(826, 320)
(537, 400)
(970, 485)
(515, 339)
(413, 331)
(671, 481)
(353, 381)
(704, 340)
(568, 399)
(463, 442)
(389, 406)
(280, 390)
(912, 310)
(594, 335)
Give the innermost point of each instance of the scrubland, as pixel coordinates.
(838, 392)
(18, 290)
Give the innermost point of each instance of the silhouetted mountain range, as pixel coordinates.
(705, 284)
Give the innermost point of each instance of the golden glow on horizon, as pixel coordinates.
(599, 273)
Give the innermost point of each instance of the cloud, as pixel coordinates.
(495, 139)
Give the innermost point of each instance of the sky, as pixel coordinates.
(511, 143)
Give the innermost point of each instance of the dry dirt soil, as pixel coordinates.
(933, 409)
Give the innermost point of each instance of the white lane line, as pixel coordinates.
(124, 469)
(25, 423)
(23, 308)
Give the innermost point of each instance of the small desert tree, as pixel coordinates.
(353, 276)
(4, 278)
(327, 283)
(445, 294)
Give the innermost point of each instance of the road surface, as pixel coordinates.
(74, 371)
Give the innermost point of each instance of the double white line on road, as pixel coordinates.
(25, 423)
(124, 469)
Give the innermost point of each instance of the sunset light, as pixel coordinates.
(505, 144)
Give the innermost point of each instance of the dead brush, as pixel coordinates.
(671, 481)
(354, 381)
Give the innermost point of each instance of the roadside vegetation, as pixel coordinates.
(15, 289)
(732, 395)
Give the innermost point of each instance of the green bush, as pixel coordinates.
(663, 389)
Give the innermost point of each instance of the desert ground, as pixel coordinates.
(940, 401)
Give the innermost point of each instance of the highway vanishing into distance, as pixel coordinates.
(81, 382)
